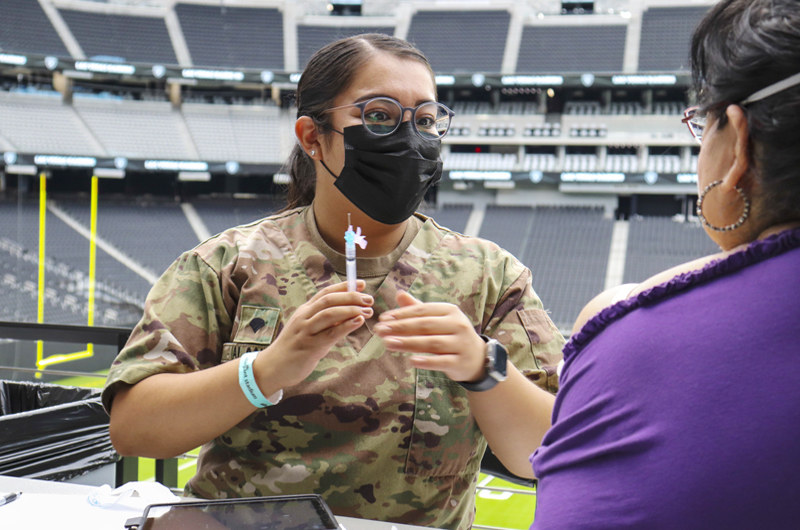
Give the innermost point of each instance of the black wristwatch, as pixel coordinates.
(496, 367)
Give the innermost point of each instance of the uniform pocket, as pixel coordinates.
(538, 326)
(445, 439)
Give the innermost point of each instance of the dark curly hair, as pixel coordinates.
(740, 47)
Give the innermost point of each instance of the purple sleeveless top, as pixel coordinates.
(680, 408)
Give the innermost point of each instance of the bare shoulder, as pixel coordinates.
(615, 294)
(677, 270)
(600, 302)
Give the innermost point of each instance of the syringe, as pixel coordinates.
(351, 239)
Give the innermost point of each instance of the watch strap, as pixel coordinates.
(487, 382)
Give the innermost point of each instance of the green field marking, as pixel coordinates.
(186, 468)
(505, 510)
(84, 382)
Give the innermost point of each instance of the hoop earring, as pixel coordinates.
(739, 222)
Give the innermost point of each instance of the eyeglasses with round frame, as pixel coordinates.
(382, 116)
(695, 117)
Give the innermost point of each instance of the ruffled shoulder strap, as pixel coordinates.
(756, 252)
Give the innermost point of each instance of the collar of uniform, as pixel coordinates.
(367, 267)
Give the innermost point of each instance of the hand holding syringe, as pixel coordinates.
(351, 240)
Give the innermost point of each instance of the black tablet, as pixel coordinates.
(287, 512)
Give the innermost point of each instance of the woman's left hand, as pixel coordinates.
(437, 328)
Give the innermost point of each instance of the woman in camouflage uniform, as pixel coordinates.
(358, 414)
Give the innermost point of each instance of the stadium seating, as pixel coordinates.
(258, 130)
(480, 161)
(580, 163)
(497, 129)
(162, 230)
(564, 49)
(582, 108)
(132, 39)
(542, 129)
(212, 131)
(658, 243)
(119, 293)
(221, 214)
(672, 108)
(622, 163)
(666, 34)
(232, 36)
(312, 38)
(540, 162)
(588, 129)
(518, 108)
(565, 248)
(245, 133)
(37, 35)
(137, 129)
(41, 123)
(473, 107)
(452, 216)
(664, 163)
(461, 41)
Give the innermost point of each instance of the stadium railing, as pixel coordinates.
(127, 468)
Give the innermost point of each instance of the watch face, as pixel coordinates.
(499, 368)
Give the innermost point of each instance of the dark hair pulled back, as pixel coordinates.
(740, 47)
(329, 73)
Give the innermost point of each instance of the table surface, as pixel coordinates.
(9, 484)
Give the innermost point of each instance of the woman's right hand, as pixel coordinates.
(310, 333)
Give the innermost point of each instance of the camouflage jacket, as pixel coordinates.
(375, 437)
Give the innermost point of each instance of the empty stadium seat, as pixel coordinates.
(540, 162)
(36, 35)
(565, 248)
(666, 34)
(480, 161)
(461, 41)
(622, 163)
(312, 38)
(657, 243)
(244, 133)
(130, 38)
(557, 49)
(43, 124)
(224, 35)
(664, 163)
(137, 129)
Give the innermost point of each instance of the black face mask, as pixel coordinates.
(386, 177)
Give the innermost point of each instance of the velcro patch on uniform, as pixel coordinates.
(231, 350)
(537, 324)
(257, 325)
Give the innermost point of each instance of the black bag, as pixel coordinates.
(491, 465)
(52, 432)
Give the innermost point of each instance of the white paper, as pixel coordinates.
(46, 511)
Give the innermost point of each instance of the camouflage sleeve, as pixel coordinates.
(185, 322)
(521, 324)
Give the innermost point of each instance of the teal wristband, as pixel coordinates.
(247, 381)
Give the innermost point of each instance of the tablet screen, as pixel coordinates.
(290, 512)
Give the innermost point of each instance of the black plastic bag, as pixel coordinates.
(491, 465)
(52, 432)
